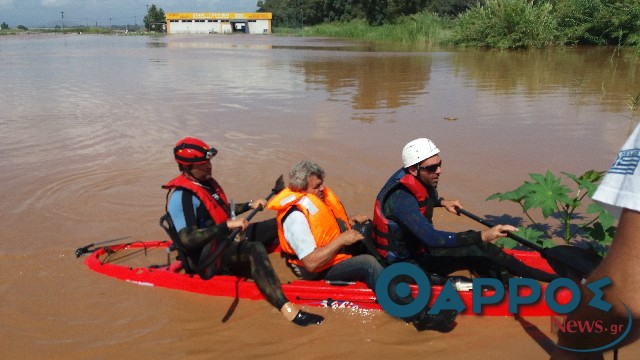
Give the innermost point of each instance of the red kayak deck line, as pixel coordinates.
(313, 293)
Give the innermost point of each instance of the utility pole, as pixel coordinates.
(148, 20)
(62, 12)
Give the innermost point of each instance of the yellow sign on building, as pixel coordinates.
(218, 16)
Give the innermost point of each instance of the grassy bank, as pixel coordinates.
(82, 30)
(503, 24)
(423, 28)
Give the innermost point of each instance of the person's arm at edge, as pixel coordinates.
(620, 266)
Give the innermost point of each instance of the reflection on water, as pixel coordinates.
(591, 75)
(88, 125)
(373, 82)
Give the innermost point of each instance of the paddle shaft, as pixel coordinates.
(236, 231)
(566, 261)
(85, 249)
(517, 238)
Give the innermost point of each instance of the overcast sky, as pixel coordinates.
(32, 13)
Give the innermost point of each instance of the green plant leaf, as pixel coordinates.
(516, 195)
(594, 208)
(545, 193)
(604, 217)
(589, 180)
(507, 243)
(530, 234)
(600, 233)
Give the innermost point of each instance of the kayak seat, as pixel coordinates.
(167, 224)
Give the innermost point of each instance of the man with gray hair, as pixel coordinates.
(314, 230)
(317, 237)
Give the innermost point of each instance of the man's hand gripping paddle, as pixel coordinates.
(567, 261)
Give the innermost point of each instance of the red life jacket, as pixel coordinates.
(387, 234)
(215, 201)
(217, 208)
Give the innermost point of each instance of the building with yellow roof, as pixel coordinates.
(218, 23)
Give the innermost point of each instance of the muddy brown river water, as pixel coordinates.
(87, 127)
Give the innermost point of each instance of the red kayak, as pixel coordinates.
(112, 261)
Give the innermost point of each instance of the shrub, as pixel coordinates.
(506, 24)
(551, 198)
(598, 22)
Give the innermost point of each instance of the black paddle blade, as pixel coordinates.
(571, 262)
(279, 186)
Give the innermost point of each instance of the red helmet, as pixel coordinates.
(189, 151)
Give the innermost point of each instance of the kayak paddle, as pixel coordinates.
(567, 261)
(87, 248)
(207, 257)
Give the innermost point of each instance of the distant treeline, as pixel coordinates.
(490, 23)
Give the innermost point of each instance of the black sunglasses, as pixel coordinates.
(430, 168)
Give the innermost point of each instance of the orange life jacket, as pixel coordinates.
(322, 216)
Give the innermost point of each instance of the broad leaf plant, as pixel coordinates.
(575, 219)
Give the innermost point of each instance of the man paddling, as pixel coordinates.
(202, 218)
(403, 226)
(318, 239)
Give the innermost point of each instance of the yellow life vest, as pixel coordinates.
(322, 216)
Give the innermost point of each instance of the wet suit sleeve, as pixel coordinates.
(192, 231)
(402, 207)
(242, 208)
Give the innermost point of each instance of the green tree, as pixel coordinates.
(22, 27)
(294, 13)
(4, 26)
(450, 8)
(154, 19)
(298, 13)
(376, 10)
(344, 10)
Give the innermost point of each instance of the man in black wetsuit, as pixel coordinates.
(201, 213)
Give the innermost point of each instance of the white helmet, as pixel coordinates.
(417, 151)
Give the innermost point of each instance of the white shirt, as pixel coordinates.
(298, 234)
(620, 188)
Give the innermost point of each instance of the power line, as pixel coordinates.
(102, 19)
